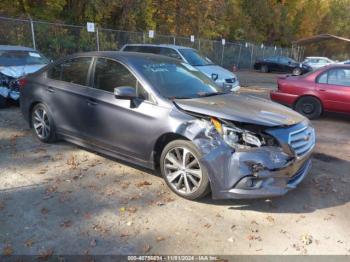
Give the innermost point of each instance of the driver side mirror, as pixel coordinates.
(125, 92)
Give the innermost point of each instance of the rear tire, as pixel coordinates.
(309, 106)
(264, 69)
(43, 124)
(182, 171)
(3, 102)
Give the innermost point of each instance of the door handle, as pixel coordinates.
(50, 89)
(322, 90)
(91, 102)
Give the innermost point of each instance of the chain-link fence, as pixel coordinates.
(56, 40)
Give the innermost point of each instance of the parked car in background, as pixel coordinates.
(220, 75)
(16, 62)
(326, 89)
(281, 64)
(346, 62)
(164, 114)
(317, 61)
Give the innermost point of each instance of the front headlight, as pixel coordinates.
(237, 137)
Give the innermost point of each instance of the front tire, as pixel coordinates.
(309, 106)
(43, 124)
(182, 171)
(296, 72)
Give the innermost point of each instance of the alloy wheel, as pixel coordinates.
(182, 170)
(41, 123)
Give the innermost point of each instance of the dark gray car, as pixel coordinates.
(162, 114)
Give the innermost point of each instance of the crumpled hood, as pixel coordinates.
(18, 71)
(215, 69)
(242, 108)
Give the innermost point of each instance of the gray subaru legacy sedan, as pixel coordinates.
(162, 114)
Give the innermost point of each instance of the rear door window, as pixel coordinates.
(338, 76)
(73, 71)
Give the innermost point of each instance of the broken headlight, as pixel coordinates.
(237, 137)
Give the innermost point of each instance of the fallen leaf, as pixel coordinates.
(129, 223)
(2, 205)
(122, 209)
(99, 175)
(147, 248)
(51, 189)
(160, 203)
(132, 209)
(143, 183)
(207, 225)
(270, 219)
(72, 162)
(44, 211)
(230, 240)
(28, 243)
(159, 238)
(124, 234)
(66, 223)
(7, 251)
(46, 254)
(254, 222)
(306, 239)
(125, 185)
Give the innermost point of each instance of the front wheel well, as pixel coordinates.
(161, 142)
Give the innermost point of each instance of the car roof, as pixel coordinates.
(337, 66)
(126, 56)
(323, 57)
(15, 48)
(160, 45)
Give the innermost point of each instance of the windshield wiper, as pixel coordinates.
(180, 97)
(211, 94)
(203, 65)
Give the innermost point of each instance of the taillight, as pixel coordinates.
(22, 82)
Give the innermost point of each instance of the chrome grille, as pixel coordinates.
(302, 140)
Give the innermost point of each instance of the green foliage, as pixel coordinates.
(272, 22)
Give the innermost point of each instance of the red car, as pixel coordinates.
(326, 89)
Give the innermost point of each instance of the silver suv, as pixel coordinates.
(220, 75)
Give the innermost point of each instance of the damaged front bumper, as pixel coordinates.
(261, 172)
(9, 93)
(258, 172)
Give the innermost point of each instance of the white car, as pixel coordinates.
(317, 61)
(223, 77)
(16, 62)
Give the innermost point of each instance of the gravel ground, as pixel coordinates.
(61, 199)
(249, 78)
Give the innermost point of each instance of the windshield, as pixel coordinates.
(178, 80)
(194, 58)
(20, 58)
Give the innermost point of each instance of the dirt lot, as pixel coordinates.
(62, 199)
(248, 78)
